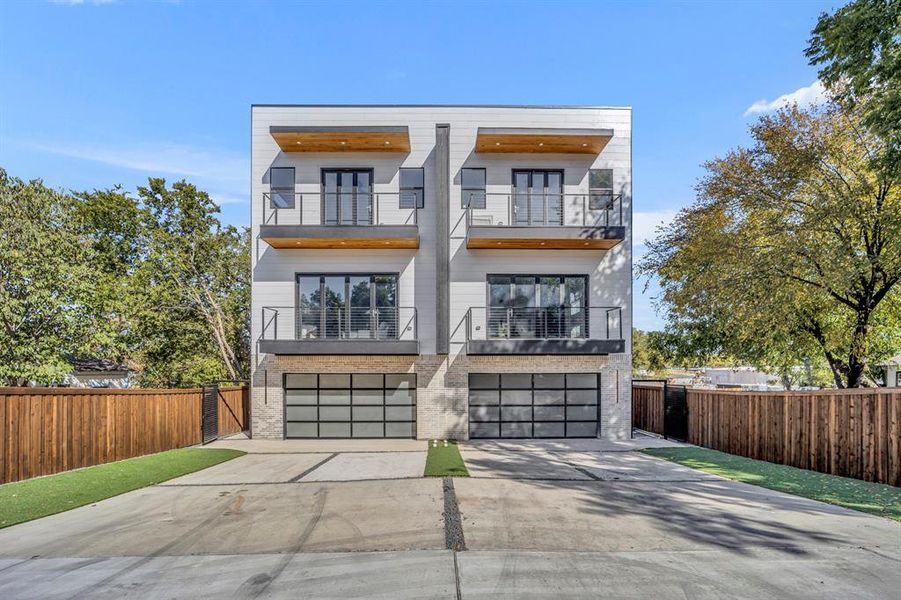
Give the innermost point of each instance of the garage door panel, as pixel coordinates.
(301, 413)
(516, 413)
(303, 380)
(400, 396)
(359, 405)
(581, 380)
(581, 396)
(333, 381)
(549, 413)
(368, 380)
(516, 397)
(335, 397)
(485, 430)
(516, 430)
(368, 397)
(368, 413)
(400, 413)
(549, 381)
(549, 398)
(484, 397)
(549, 430)
(334, 413)
(369, 430)
(301, 430)
(399, 430)
(300, 397)
(481, 414)
(581, 429)
(525, 405)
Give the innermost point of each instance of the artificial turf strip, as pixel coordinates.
(874, 498)
(35, 498)
(445, 461)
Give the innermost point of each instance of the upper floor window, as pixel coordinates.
(281, 187)
(472, 183)
(412, 187)
(600, 188)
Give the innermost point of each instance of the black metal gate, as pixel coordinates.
(675, 412)
(209, 412)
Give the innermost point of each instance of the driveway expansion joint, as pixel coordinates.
(453, 522)
(313, 468)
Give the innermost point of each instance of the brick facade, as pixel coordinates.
(442, 386)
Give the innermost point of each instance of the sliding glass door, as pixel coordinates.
(537, 306)
(347, 306)
(537, 197)
(347, 197)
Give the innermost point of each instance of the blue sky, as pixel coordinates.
(94, 94)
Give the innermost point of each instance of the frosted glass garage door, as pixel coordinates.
(539, 405)
(358, 405)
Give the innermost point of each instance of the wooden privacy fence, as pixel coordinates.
(647, 407)
(853, 433)
(49, 430)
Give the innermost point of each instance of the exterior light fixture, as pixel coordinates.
(343, 143)
(541, 143)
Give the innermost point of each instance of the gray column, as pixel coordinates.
(442, 219)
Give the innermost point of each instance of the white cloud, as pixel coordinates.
(805, 96)
(644, 224)
(224, 174)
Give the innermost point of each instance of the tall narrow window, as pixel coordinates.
(472, 184)
(281, 187)
(412, 188)
(600, 189)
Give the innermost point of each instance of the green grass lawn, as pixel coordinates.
(35, 498)
(445, 461)
(873, 498)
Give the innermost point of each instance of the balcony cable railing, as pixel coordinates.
(339, 323)
(545, 209)
(336, 208)
(544, 323)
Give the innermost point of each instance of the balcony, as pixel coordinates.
(544, 221)
(338, 220)
(593, 330)
(339, 330)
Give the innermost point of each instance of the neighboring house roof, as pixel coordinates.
(98, 365)
(894, 361)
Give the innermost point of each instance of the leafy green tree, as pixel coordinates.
(198, 272)
(46, 284)
(792, 248)
(859, 51)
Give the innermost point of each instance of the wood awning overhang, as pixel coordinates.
(342, 139)
(529, 140)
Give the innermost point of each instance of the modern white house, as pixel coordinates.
(441, 271)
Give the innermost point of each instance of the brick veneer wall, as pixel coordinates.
(442, 386)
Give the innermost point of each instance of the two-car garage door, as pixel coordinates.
(359, 405)
(526, 405)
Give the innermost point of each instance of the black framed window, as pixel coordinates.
(472, 184)
(281, 187)
(537, 306)
(600, 188)
(347, 197)
(412, 187)
(347, 306)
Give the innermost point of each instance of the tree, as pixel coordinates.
(792, 248)
(859, 50)
(46, 284)
(198, 271)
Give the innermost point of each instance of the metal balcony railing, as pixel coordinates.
(339, 209)
(540, 209)
(311, 324)
(544, 323)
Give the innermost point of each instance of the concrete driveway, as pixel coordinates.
(570, 519)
